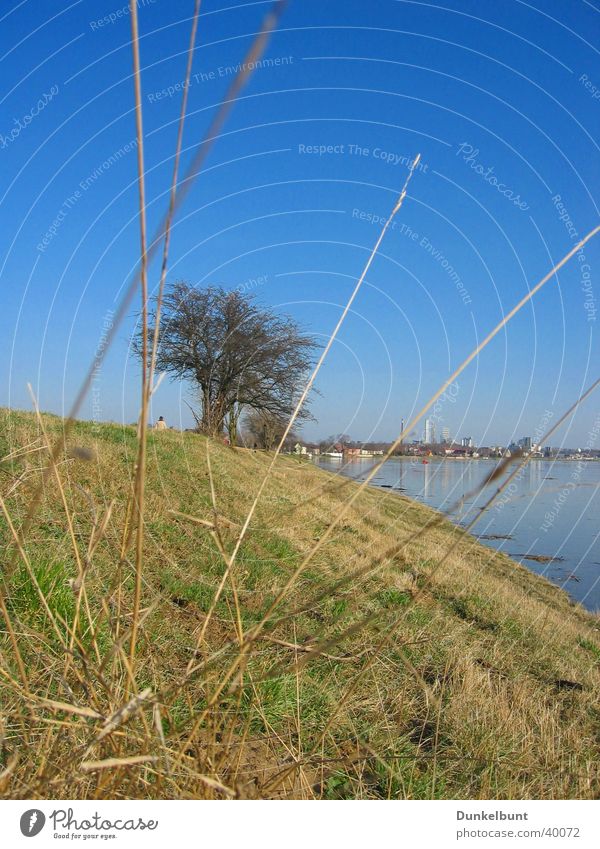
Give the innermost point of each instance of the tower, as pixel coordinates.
(429, 431)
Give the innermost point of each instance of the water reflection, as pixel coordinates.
(550, 511)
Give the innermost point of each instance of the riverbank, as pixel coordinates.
(544, 519)
(390, 667)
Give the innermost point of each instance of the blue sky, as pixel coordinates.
(502, 101)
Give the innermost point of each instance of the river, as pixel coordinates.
(550, 510)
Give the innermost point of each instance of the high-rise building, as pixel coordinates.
(446, 435)
(429, 432)
(525, 443)
(467, 441)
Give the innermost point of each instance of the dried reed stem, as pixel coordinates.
(375, 468)
(323, 356)
(247, 68)
(173, 194)
(140, 478)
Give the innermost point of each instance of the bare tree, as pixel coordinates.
(238, 355)
(265, 430)
(335, 442)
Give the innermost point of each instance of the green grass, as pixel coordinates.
(591, 647)
(51, 578)
(442, 678)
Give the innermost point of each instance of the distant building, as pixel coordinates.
(460, 452)
(446, 435)
(525, 443)
(429, 436)
(467, 442)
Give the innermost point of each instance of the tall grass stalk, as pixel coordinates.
(241, 78)
(280, 658)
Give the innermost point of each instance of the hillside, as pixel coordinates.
(473, 678)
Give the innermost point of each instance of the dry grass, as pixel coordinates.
(305, 638)
(370, 679)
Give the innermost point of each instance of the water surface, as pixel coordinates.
(551, 510)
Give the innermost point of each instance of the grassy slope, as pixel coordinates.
(461, 702)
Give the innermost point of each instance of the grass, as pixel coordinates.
(253, 645)
(373, 677)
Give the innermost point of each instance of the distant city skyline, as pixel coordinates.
(524, 444)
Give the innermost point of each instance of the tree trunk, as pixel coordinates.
(205, 402)
(232, 424)
(213, 414)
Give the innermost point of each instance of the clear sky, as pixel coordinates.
(502, 101)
